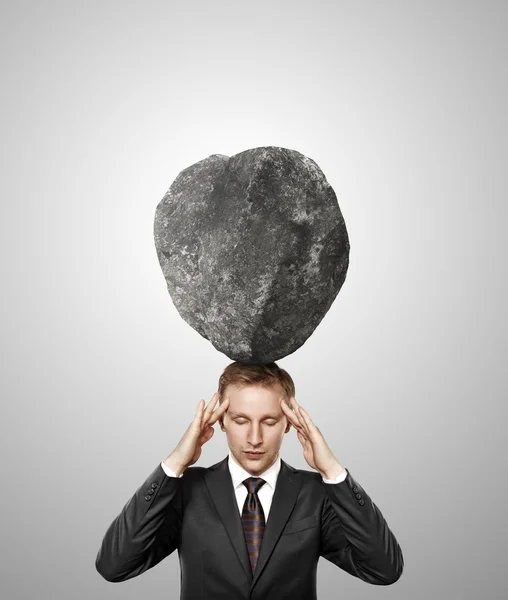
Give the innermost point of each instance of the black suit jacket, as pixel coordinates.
(198, 515)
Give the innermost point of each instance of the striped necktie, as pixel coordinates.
(253, 519)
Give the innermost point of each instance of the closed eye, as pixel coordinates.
(269, 424)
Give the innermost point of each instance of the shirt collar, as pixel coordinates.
(239, 474)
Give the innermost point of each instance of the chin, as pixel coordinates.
(250, 464)
(256, 466)
(254, 471)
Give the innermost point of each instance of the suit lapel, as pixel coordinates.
(283, 501)
(220, 485)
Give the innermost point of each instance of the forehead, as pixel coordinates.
(254, 400)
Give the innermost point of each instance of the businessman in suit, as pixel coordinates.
(251, 526)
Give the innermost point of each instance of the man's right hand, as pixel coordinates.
(198, 433)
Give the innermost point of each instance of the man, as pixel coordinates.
(251, 526)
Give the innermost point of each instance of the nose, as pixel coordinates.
(254, 437)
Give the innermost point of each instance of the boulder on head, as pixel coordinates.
(254, 250)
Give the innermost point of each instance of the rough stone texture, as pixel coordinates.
(254, 250)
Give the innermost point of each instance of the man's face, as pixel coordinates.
(254, 421)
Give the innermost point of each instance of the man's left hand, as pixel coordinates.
(316, 451)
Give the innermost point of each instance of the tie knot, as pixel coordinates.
(253, 484)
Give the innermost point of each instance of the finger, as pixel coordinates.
(306, 445)
(311, 426)
(304, 419)
(303, 435)
(295, 406)
(199, 410)
(217, 413)
(195, 425)
(206, 435)
(292, 416)
(303, 440)
(307, 420)
(210, 407)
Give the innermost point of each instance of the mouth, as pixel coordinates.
(254, 455)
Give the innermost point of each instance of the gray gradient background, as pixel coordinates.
(403, 106)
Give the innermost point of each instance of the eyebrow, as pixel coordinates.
(235, 414)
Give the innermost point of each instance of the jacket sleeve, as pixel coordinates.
(356, 537)
(145, 532)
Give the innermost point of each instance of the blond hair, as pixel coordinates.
(265, 375)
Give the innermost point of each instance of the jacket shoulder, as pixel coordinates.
(307, 476)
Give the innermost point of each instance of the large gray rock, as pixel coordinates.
(254, 250)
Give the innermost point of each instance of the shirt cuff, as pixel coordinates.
(168, 471)
(340, 478)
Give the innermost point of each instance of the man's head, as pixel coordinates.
(254, 419)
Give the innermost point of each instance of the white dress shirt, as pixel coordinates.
(265, 493)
